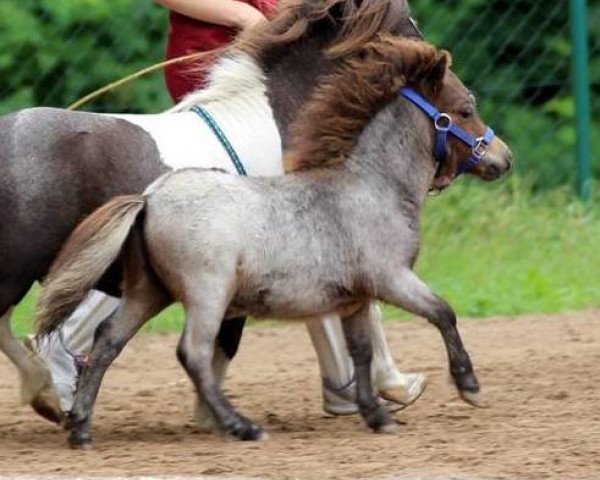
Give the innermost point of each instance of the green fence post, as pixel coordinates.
(581, 91)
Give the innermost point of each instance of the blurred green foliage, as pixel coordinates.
(54, 51)
(516, 57)
(515, 54)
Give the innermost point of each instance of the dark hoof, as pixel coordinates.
(469, 390)
(46, 411)
(244, 429)
(466, 382)
(74, 421)
(80, 441)
(378, 419)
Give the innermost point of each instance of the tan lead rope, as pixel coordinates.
(133, 76)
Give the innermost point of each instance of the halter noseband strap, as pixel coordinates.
(444, 126)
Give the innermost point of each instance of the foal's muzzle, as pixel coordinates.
(498, 160)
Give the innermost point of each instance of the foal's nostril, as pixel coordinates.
(493, 170)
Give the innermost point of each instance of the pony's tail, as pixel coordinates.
(84, 258)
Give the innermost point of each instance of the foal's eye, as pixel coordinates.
(466, 112)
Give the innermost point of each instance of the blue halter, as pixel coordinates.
(443, 125)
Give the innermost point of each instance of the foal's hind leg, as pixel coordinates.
(408, 291)
(111, 337)
(357, 330)
(196, 352)
(143, 297)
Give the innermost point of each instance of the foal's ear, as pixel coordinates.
(437, 70)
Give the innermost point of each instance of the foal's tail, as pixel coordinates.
(84, 258)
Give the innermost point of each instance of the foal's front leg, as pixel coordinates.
(409, 292)
(228, 341)
(357, 331)
(196, 353)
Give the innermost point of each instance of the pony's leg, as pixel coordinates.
(110, 338)
(401, 388)
(143, 297)
(62, 349)
(36, 383)
(336, 368)
(196, 353)
(228, 341)
(358, 336)
(408, 291)
(337, 372)
(78, 330)
(230, 335)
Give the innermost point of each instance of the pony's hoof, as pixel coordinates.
(378, 419)
(402, 396)
(263, 437)
(388, 429)
(247, 431)
(46, 405)
(466, 381)
(80, 441)
(476, 399)
(37, 389)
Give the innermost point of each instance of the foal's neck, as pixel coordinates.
(393, 154)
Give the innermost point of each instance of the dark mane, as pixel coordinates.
(327, 129)
(353, 23)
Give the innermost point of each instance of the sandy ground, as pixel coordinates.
(539, 372)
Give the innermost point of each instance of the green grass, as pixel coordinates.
(493, 249)
(490, 249)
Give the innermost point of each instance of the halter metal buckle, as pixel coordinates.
(480, 149)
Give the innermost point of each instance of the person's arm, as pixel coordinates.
(230, 13)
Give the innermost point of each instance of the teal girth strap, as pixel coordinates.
(212, 124)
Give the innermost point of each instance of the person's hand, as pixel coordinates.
(248, 16)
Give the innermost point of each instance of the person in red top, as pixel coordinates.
(202, 26)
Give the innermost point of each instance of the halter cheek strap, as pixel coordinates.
(444, 126)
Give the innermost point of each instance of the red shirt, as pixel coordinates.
(188, 35)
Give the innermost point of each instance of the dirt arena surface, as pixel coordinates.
(541, 374)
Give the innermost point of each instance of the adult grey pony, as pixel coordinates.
(57, 166)
(340, 231)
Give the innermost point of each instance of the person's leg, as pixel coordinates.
(66, 347)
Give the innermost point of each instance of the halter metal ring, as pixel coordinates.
(443, 122)
(480, 149)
